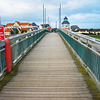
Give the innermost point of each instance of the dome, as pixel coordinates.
(65, 18)
(33, 24)
(65, 22)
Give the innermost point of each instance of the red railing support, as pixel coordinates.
(8, 55)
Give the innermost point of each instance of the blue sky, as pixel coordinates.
(84, 13)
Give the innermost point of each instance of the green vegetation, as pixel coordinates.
(16, 32)
(12, 32)
(91, 85)
(8, 77)
(23, 31)
(90, 33)
(8, 36)
(95, 36)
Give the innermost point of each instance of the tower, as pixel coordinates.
(65, 23)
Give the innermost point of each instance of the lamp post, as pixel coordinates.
(43, 15)
(0, 20)
(60, 16)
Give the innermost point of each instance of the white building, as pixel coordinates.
(65, 23)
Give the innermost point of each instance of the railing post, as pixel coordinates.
(8, 55)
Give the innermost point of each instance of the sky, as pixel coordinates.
(84, 13)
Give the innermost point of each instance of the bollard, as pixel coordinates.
(8, 56)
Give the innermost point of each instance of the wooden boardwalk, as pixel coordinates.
(48, 72)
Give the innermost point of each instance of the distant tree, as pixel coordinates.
(90, 29)
(16, 31)
(12, 32)
(98, 33)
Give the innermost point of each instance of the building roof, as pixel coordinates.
(35, 28)
(83, 29)
(74, 27)
(24, 23)
(33, 24)
(8, 29)
(45, 25)
(65, 22)
(18, 22)
(9, 24)
(65, 18)
(29, 28)
(14, 29)
(3, 25)
(95, 30)
(30, 24)
(23, 29)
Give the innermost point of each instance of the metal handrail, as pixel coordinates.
(20, 45)
(19, 36)
(87, 55)
(2, 43)
(90, 41)
(2, 66)
(84, 36)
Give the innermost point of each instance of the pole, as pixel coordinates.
(45, 15)
(60, 15)
(0, 20)
(56, 24)
(48, 20)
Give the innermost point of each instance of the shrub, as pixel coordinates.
(12, 32)
(16, 31)
(90, 33)
(98, 34)
(85, 33)
(23, 31)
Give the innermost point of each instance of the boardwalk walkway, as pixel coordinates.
(47, 73)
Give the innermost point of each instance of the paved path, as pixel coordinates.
(47, 73)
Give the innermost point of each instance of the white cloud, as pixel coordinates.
(75, 4)
(88, 25)
(51, 7)
(31, 10)
(84, 17)
(85, 20)
(11, 7)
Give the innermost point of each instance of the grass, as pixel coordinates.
(8, 36)
(8, 77)
(91, 85)
(95, 36)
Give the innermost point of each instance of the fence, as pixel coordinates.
(2, 58)
(81, 46)
(20, 45)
